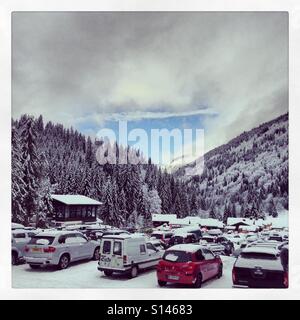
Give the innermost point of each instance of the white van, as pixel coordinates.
(127, 254)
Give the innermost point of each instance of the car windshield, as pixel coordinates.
(275, 238)
(41, 240)
(156, 235)
(258, 255)
(177, 256)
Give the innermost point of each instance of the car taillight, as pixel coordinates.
(188, 269)
(49, 250)
(233, 276)
(286, 280)
(26, 249)
(124, 259)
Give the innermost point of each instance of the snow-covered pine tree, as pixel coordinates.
(18, 187)
(30, 167)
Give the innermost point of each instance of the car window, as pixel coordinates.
(106, 247)
(150, 246)
(156, 236)
(117, 250)
(31, 234)
(258, 255)
(142, 249)
(168, 235)
(41, 240)
(70, 239)
(177, 256)
(81, 238)
(19, 235)
(208, 254)
(199, 255)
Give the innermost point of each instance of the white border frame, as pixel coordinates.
(7, 6)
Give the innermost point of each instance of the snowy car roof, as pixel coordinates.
(54, 233)
(76, 199)
(261, 249)
(123, 236)
(186, 247)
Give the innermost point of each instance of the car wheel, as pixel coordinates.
(34, 266)
(96, 255)
(133, 272)
(162, 283)
(108, 273)
(14, 258)
(64, 262)
(198, 282)
(220, 272)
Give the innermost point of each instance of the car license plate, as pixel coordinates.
(36, 249)
(173, 277)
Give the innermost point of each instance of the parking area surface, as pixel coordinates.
(86, 275)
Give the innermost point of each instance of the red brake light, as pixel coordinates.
(286, 280)
(188, 268)
(124, 259)
(49, 250)
(26, 249)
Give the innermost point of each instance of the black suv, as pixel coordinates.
(260, 267)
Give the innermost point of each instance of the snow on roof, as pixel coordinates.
(233, 221)
(17, 226)
(74, 199)
(249, 228)
(163, 217)
(186, 247)
(210, 222)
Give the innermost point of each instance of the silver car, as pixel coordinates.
(59, 248)
(19, 239)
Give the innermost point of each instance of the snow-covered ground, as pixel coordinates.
(86, 275)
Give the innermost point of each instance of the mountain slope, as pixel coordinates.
(248, 175)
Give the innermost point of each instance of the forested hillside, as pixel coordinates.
(247, 176)
(48, 158)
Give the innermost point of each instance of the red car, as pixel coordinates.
(189, 264)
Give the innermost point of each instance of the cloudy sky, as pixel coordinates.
(224, 72)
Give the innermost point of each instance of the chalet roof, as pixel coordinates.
(244, 221)
(163, 217)
(74, 199)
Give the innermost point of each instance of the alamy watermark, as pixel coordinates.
(170, 148)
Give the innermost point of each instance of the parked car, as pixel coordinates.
(237, 239)
(264, 235)
(259, 267)
(251, 238)
(59, 248)
(182, 238)
(238, 251)
(190, 229)
(15, 226)
(127, 254)
(19, 239)
(276, 237)
(189, 264)
(229, 246)
(164, 236)
(158, 244)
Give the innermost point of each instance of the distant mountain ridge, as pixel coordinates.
(247, 176)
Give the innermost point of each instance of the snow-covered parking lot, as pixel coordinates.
(86, 275)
